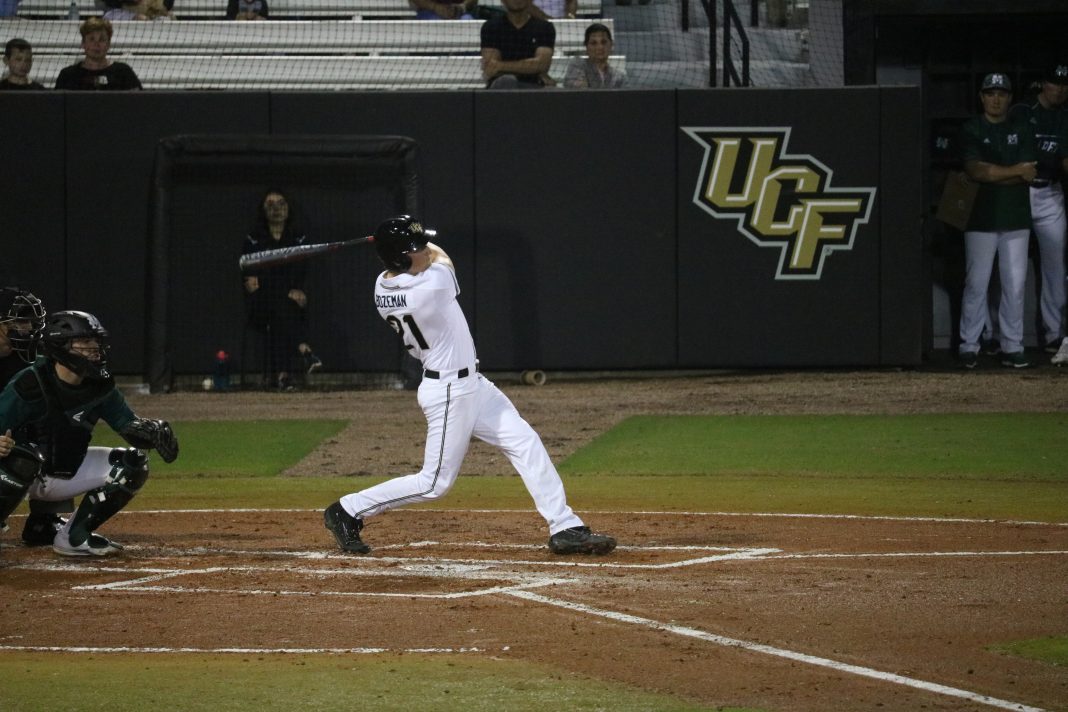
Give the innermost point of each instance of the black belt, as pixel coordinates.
(1043, 183)
(462, 373)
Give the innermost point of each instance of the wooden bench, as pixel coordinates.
(280, 9)
(372, 37)
(288, 72)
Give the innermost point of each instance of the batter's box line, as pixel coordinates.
(138, 585)
(732, 554)
(242, 651)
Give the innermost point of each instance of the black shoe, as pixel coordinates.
(580, 540)
(1053, 347)
(1016, 359)
(40, 528)
(969, 359)
(346, 529)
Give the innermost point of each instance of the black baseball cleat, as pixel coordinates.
(346, 529)
(580, 540)
(40, 528)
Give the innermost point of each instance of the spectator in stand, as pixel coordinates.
(593, 71)
(247, 10)
(9, 8)
(554, 9)
(999, 154)
(96, 71)
(18, 58)
(445, 10)
(158, 10)
(517, 48)
(129, 10)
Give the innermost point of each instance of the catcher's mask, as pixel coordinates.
(87, 359)
(398, 236)
(23, 317)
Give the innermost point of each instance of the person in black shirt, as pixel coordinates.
(275, 299)
(18, 58)
(96, 71)
(517, 48)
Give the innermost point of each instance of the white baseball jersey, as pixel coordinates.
(459, 403)
(422, 308)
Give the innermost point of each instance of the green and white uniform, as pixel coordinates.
(1050, 130)
(999, 226)
(57, 418)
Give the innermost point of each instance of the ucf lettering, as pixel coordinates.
(778, 200)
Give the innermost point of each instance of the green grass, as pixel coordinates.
(1017, 447)
(257, 448)
(221, 683)
(1053, 650)
(999, 466)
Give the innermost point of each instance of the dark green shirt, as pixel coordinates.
(999, 207)
(1050, 130)
(59, 418)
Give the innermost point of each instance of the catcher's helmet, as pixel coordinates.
(398, 236)
(23, 317)
(58, 341)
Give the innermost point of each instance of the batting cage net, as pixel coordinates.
(207, 197)
(386, 44)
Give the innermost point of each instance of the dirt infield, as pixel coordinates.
(776, 612)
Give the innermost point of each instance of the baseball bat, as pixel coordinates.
(284, 255)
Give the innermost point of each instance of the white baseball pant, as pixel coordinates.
(457, 409)
(980, 248)
(1049, 224)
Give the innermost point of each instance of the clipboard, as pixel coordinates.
(958, 197)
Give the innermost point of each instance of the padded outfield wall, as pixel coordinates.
(592, 230)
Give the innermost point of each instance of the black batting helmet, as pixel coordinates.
(58, 341)
(398, 236)
(23, 316)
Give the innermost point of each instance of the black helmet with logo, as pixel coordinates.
(398, 236)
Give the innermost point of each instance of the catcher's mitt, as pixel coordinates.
(143, 434)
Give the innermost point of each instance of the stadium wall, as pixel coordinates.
(592, 230)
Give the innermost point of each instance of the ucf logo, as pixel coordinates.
(778, 199)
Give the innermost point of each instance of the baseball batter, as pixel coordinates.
(999, 154)
(1049, 126)
(416, 295)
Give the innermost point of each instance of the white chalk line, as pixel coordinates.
(778, 652)
(241, 651)
(782, 515)
(564, 563)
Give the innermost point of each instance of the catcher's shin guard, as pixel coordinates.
(17, 472)
(129, 471)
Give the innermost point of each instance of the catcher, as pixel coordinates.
(48, 412)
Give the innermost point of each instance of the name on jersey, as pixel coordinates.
(779, 200)
(391, 301)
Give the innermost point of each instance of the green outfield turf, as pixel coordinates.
(1004, 466)
(242, 448)
(111, 682)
